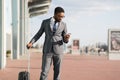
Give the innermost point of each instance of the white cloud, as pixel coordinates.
(86, 19)
(89, 7)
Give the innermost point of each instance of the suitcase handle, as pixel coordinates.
(28, 60)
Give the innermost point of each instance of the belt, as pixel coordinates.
(58, 42)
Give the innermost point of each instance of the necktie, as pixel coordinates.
(54, 27)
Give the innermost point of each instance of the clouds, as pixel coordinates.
(87, 20)
(89, 7)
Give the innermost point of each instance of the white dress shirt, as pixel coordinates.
(52, 22)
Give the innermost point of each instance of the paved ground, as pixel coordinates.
(75, 67)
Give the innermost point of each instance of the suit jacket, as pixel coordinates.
(49, 37)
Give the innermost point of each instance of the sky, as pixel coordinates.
(87, 20)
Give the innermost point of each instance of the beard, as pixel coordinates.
(57, 20)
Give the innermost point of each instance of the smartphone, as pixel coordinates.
(69, 33)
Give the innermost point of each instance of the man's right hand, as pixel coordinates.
(29, 45)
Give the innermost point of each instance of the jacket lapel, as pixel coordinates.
(59, 26)
(49, 20)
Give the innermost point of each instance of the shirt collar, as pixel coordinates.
(52, 19)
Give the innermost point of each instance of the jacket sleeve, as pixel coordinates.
(38, 34)
(64, 33)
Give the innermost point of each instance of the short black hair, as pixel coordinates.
(58, 10)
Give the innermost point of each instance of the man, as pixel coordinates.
(55, 34)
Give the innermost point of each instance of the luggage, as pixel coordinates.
(25, 75)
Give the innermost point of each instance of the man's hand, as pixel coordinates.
(66, 37)
(29, 45)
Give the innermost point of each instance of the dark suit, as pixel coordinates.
(51, 52)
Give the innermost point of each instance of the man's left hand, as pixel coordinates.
(66, 37)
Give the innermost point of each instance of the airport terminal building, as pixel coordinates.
(19, 12)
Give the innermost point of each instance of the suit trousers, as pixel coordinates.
(47, 60)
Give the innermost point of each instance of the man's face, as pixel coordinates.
(58, 17)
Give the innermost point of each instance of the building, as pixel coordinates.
(19, 11)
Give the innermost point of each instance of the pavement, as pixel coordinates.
(74, 67)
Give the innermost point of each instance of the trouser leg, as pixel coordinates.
(57, 59)
(46, 63)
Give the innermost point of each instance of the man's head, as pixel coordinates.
(58, 14)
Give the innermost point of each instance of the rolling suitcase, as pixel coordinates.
(25, 75)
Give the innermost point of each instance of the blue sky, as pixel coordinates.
(87, 20)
